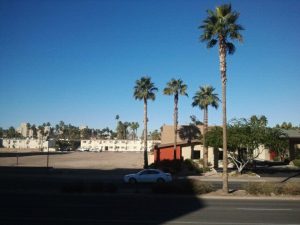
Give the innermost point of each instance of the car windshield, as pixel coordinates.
(147, 172)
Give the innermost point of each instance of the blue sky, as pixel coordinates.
(77, 61)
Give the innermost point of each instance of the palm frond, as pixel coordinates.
(221, 23)
(230, 48)
(144, 89)
(211, 43)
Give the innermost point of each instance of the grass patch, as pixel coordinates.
(268, 189)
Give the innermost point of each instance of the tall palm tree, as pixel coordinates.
(144, 89)
(219, 27)
(203, 98)
(176, 88)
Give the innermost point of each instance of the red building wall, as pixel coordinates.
(167, 153)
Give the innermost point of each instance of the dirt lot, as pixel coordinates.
(73, 160)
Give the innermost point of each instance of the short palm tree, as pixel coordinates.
(145, 90)
(203, 98)
(219, 27)
(176, 88)
(134, 126)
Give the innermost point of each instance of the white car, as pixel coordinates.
(148, 176)
(81, 149)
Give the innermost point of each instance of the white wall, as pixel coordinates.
(28, 143)
(117, 145)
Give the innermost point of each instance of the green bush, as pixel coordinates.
(264, 188)
(201, 162)
(170, 166)
(296, 162)
(193, 166)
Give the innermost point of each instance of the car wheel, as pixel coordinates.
(132, 180)
(160, 180)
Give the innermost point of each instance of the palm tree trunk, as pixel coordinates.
(145, 134)
(175, 123)
(222, 56)
(205, 150)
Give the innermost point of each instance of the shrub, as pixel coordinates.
(201, 162)
(262, 188)
(193, 166)
(170, 166)
(296, 162)
(291, 188)
(189, 164)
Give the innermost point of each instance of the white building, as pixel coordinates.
(29, 144)
(117, 145)
(23, 129)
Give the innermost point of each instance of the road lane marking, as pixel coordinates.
(263, 209)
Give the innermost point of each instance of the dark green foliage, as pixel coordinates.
(287, 126)
(214, 137)
(296, 162)
(276, 140)
(169, 166)
(189, 132)
(64, 145)
(221, 26)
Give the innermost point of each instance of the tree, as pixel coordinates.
(195, 121)
(244, 139)
(214, 137)
(86, 133)
(219, 27)
(176, 88)
(134, 126)
(28, 127)
(11, 133)
(145, 90)
(121, 130)
(276, 140)
(203, 98)
(287, 126)
(155, 135)
(34, 131)
(1, 132)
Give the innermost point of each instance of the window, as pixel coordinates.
(153, 172)
(196, 154)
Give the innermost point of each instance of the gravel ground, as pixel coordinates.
(74, 160)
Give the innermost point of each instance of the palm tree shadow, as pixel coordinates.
(192, 134)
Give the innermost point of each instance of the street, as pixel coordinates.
(143, 209)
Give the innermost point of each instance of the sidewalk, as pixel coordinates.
(292, 177)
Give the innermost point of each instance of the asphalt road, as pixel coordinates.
(113, 209)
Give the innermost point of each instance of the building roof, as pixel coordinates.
(181, 143)
(292, 134)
